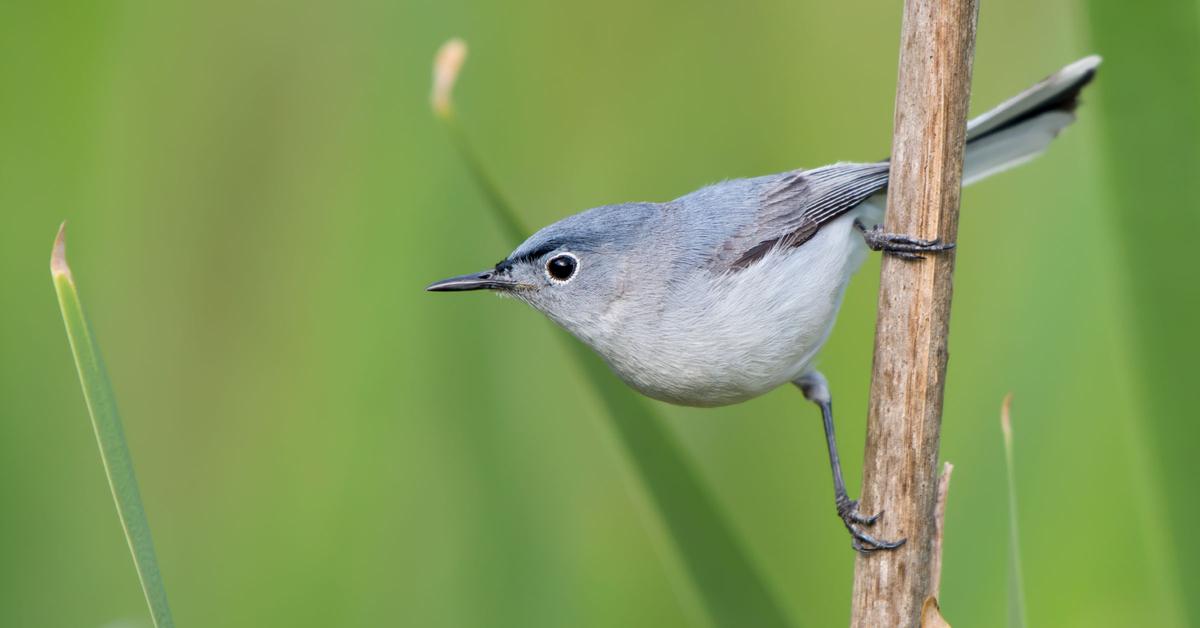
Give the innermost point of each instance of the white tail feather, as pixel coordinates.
(1023, 126)
(1012, 147)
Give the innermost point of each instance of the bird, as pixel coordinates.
(729, 292)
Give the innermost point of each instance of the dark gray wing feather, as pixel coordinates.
(796, 204)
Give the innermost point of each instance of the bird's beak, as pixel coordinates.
(486, 280)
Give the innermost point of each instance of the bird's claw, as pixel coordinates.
(899, 245)
(848, 511)
(863, 542)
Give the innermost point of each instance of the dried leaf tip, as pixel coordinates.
(931, 614)
(446, 65)
(58, 256)
(1006, 420)
(939, 530)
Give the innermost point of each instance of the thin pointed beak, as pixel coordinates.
(486, 280)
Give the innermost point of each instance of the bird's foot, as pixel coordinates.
(902, 246)
(863, 542)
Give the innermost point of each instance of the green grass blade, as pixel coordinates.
(1016, 586)
(114, 453)
(503, 210)
(733, 592)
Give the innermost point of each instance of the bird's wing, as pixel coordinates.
(794, 205)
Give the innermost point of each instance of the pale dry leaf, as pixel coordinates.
(446, 66)
(1006, 419)
(939, 529)
(931, 614)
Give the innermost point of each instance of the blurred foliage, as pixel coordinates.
(1150, 101)
(319, 442)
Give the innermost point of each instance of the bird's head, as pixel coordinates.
(574, 270)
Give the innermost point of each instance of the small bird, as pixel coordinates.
(728, 292)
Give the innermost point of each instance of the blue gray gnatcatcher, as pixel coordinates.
(728, 292)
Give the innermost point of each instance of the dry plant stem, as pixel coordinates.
(939, 530)
(900, 469)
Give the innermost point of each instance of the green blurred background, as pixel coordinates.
(257, 194)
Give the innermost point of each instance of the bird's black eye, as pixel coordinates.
(562, 267)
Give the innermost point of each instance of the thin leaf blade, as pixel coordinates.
(110, 436)
(1016, 587)
(734, 593)
(716, 562)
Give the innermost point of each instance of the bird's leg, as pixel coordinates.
(902, 246)
(816, 390)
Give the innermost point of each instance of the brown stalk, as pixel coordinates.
(904, 421)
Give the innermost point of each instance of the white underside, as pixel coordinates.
(688, 358)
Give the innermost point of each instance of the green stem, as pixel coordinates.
(1016, 585)
(509, 222)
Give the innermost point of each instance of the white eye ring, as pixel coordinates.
(570, 264)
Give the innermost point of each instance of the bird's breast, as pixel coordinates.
(719, 339)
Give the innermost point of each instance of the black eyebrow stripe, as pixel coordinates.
(532, 255)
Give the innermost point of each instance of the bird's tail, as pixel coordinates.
(1021, 127)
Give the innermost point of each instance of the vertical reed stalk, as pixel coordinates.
(903, 429)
